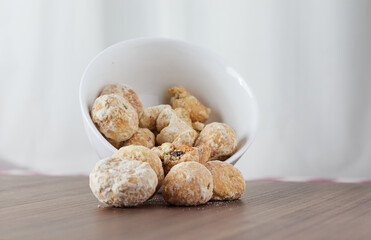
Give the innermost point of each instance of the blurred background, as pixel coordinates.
(308, 62)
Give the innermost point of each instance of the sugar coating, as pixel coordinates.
(220, 138)
(229, 184)
(115, 117)
(188, 183)
(143, 137)
(181, 98)
(149, 116)
(126, 92)
(121, 182)
(143, 154)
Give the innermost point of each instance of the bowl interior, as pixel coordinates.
(151, 66)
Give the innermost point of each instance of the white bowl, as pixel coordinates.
(152, 65)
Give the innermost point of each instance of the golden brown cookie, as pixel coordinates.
(149, 116)
(180, 98)
(173, 130)
(220, 138)
(126, 92)
(143, 137)
(171, 155)
(143, 154)
(115, 117)
(121, 182)
(229, 183)
(188, 183)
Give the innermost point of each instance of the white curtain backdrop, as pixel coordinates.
(308, 62)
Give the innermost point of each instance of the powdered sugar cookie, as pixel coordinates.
(188, 183)
(143, 137)
(143, 154)
(229, 183)
(149, 116)
(126, 92)
(115, 117)
(180, 98)
(220, 138)
(121, 182)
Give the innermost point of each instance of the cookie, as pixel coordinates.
(149, 116)
(220, 138)
(229, 184)
(115, 117)
(126, 92)
(143, 137)
(171, 155)
(121, 182)
(143, 154)
(181, 98)
(188, 183)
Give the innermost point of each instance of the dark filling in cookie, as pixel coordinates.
(176, 153)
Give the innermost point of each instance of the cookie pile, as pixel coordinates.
(164, 145)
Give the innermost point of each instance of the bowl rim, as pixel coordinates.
(242, 82)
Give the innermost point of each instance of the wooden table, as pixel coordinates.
(39, 207)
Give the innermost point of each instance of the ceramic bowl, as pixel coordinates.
(152, 65)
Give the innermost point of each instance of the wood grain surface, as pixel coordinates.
(39, 207)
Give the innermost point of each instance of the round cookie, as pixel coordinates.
(229, 184)
(143, 137)
(115, 117)
(143, 154)
(126, 92)
(220, 138)
(188, 183)
(180, 98)
(171, 155)
(121, 182)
